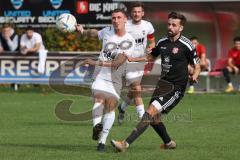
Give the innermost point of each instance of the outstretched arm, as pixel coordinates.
(113, 64)
(88, 32)
(151, 56)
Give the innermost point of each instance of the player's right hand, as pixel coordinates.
(79, 28)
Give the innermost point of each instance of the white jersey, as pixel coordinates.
(30, 43)
(139, 32)
(112, 46)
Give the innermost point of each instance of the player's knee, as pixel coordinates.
(136, 90)
(111, 104)
(147, 117)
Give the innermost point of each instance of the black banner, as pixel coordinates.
(43, 13)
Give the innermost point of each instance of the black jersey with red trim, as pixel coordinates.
(175, 58)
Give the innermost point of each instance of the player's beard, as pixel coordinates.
(171, 34)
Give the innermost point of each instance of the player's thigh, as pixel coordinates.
(110, 103)
(166, 102)
(99, 97)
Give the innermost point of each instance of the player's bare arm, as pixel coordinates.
(232, 67)
(151, 42)
(88, 32)
(196, 72)
(147, 58)
(113, 64)
(34, 49)
(203, 59)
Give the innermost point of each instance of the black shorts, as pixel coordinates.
(167, 95)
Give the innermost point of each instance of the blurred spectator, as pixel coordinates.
(233, 64)
(31, 43)
(204, 62)
(8, 39)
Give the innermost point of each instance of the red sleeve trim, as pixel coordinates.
(150, 36)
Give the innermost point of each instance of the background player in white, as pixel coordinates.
(31, 42)
(106, 88)
(142, 31)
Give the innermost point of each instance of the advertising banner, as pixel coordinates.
(60, 68)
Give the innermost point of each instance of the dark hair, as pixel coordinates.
(6, 25)
(137, 4)
(29, 28)
(175, 15)
(119, 10)
(237, 38)
(194, 38)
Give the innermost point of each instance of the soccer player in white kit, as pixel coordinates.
(142, 31)
(106, 88)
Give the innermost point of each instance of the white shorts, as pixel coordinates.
(134, 72)
(106, 87)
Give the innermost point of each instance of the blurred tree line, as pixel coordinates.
(55, 40)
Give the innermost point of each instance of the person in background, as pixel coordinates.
(204, 62)
(31, 42)
(8, 39)
(143, 33)
(233, 64)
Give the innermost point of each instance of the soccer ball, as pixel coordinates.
(66, 22)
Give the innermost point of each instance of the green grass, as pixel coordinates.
(204, 127)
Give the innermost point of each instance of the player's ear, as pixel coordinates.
(125, 19)
(143, 13)
(181, 28)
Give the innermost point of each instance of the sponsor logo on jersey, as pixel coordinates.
(163, 47)
(175, 50)
(17, 3)
(166, 59)
(144, 32)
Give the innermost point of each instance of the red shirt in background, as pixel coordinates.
(235, 55)
(201, 49)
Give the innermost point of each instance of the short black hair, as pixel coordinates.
(235, 39)
(137, 4)
(194, 38)
(29, 28)
(175, 15)
(119, 10)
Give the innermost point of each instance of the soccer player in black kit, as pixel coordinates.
(176, 52)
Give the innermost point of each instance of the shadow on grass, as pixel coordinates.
(88, 123)
(66, 147)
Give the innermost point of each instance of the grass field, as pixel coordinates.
(204, 127)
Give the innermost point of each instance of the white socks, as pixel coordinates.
(140, 110)
(97, 113)
(108, 120)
